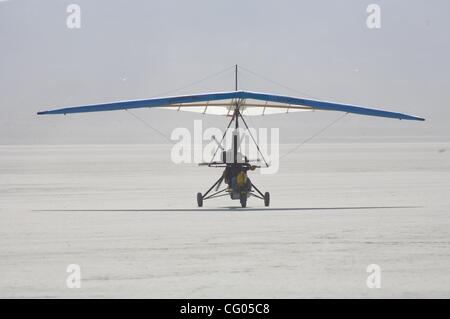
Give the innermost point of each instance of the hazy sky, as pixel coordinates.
(140, 49)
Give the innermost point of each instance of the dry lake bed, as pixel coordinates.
(128, 217)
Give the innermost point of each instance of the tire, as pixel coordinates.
(243, 200)
(266, 199)
(199, 199)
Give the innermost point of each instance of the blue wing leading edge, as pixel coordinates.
(237, 95)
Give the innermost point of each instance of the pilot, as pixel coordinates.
(242, 182)
(235, 175)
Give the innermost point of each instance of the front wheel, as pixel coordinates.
(243, 200)
(266, 199)
(199, 199)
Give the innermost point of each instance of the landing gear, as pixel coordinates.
(199, 199)
(266, 199)
(233, 168)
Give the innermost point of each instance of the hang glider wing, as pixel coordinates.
(223, 103)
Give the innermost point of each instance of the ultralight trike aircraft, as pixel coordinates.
(235, 104)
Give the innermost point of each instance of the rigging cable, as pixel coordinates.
(322, 130)
(276, 82)
(314, 135)
(149, 126)
(175, 90)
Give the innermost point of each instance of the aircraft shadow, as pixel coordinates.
(229, 209)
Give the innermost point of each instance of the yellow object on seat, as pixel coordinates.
(241, 179)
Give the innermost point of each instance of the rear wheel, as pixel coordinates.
(266, 199)
(243, 200)
(199, 199)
